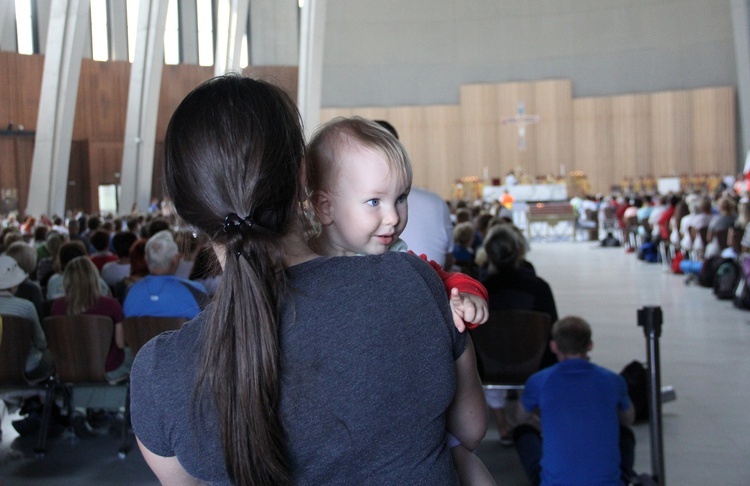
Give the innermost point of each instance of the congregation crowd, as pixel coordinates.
(698, 233)
(141, 265)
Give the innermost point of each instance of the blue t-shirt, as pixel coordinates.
(579, 403)
(164, 296)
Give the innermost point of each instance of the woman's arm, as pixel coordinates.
(467, 415)
(168, 470)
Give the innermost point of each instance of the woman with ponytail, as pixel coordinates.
(303, 369)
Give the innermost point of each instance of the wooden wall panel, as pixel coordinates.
(555, 131)
(593, 144)
(8, 89)
(671, 136)
(609, 139)
(29, 79)
(79, 188)
(8, 165)
(442, 156)
(714, 131)
(101, 108)
(24, 157)
(631, 137)
(480, 119)
(176, 82)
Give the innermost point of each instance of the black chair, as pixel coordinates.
(510, 346)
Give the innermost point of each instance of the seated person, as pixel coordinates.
(513, 284)
(585, 413)
(101, 255)
(83, 297)
(115, 271)
(463, 254)
(45, 267)
(69, 251)
(138, 269)
(26, 257)
(39, 361)
(161, 293)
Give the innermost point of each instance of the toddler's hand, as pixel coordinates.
(468, 309)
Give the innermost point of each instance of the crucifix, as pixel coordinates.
(521, 120)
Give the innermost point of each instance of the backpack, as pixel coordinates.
(742, 295)
(707, 274)
(636, 377)
(742, 292)
(727, 276)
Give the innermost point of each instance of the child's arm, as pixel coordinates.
(468, 298)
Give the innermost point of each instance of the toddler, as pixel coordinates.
(359, 177)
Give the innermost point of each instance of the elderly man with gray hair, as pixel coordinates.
(162, 294)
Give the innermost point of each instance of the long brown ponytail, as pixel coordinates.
(233, 156)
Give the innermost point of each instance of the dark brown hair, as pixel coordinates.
(572, 335)
(235, 145)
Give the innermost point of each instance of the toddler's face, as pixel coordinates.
(368, 204)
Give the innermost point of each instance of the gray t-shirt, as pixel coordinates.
(368, 373)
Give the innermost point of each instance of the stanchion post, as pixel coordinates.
(650, 319)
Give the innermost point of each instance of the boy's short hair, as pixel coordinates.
(122, 241)
(323, 157)
(463, 233)
(572, 335)
(99, 239)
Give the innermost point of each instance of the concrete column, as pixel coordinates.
(68, 23)
(309, 87)
(741, 30)
(8, 40)
(117, 20)
(42, 12)
(188, 20)
(231, 27)
(143, 106)
(274, 33)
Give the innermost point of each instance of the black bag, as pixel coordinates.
(727, 276)
(742, 295)
(708, 271)
(636, 377)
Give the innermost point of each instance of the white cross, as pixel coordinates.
(521, 120)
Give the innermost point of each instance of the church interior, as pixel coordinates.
(572, 99)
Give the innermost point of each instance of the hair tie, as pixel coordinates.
(234, 223)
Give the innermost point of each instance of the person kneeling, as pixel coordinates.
(585, 413)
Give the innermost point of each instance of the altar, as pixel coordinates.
(528, 192)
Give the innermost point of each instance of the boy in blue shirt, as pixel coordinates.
(585, 413)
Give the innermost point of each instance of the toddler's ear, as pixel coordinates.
(322, 204)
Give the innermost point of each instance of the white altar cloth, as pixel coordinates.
(528, 192)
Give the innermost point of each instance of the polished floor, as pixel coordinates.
(705, 355)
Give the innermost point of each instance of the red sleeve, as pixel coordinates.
(460, 281)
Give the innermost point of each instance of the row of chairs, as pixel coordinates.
(79, 346)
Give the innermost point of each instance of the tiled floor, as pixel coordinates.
(705, 354)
